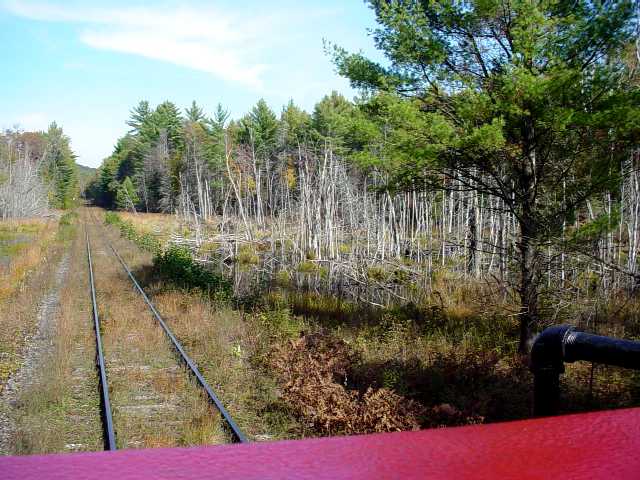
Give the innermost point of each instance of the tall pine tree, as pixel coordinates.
(528, 101)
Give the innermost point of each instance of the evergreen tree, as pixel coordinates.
(106, 182)
(139, 117)
(215, 149)
(295, 124)
(510, 98)
(331, 116)
(220, 118)
(195, 113)
(166, 118)
(126, 196)
(60, 168)
(260, 128)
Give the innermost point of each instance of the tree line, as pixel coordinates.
(37, 171)
(499, 140)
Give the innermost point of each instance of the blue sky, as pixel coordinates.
(86, 64)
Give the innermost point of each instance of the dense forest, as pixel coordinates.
(37, 171)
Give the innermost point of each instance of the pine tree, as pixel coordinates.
(508, 98)
(260, 128)
(330, 116)
(59, 168)
(195, 113)
(139, 116)
(166, 118)
(295, 124)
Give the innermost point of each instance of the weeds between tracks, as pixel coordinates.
(218, 340)
(154, 401)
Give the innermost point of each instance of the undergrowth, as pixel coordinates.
(177, 264)
(313, 370)
(144, 240)
(174, 263)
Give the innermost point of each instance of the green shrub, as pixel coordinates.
(111, 218)
(377, 273)
(177, 264)
(281, 322)
(307, 267)
(67, 225)
(393, 379)
(148, 242)
(283, 279)
(67, 219)
(345, 248)
(400, 277)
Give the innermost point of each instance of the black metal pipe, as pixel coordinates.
(563, 343)
(600, 349)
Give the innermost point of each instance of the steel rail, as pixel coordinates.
(238, 435)
(107, 418)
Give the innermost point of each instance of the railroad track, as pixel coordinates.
(110, 433)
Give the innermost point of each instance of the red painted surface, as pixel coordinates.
(604, 445)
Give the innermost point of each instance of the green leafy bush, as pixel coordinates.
(111, 218)
(177, 264)
(308, 267)
(67, 225)
(67, 219)
(247, 256)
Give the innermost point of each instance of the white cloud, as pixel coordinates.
(225, 45)
(224, 63)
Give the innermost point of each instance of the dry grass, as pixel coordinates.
(223, 342)
(394, 359)
(453, 352)
(60, 410)
(28, 270)
(23, 246)
(161, 225)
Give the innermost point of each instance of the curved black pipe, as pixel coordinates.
(563, 343)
